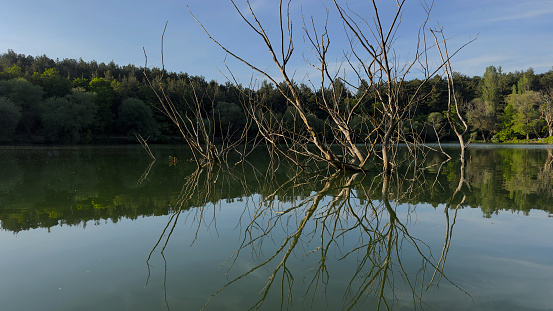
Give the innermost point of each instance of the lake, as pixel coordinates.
(107, 228)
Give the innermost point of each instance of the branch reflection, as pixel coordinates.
(356, 220)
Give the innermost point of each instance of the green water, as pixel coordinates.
(104, 228)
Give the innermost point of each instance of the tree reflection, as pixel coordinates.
(451, 205)
(351, 217)
(43, 188)
(545, 176)
(361, 221)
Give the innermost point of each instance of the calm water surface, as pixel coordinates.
(107, 229)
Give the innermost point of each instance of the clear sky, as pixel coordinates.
(515, 35)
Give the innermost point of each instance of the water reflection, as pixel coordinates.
(49, 187)
(510, 179)
(310, 216)
(305, 238)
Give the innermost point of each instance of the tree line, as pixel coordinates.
(72, 101)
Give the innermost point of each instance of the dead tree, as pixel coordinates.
(370, 55)
(454, 115)
(197, 131)
(546, 110)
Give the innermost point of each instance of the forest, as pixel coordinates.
(69, 101)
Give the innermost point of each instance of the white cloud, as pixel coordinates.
(523, 10)
(519, 15)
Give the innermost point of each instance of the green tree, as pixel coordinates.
(28, 98)
(466, 87)
(527, 113)
(436, 99)
(136, 117)
(105, 100)
(82, 83)
(437, 121)
(481, 117)
(67, 118)
(526, 83)
(271, 98)
(11, 73)
(507, 121)
(10, 114)
(41, 64)
(52, 83)
(490, 86)
(546, 80)
(229, 118)
(128, 87)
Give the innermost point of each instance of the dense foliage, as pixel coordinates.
(73, 101)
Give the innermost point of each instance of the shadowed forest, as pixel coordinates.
(70, 101)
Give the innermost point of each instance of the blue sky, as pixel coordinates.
(515, 35)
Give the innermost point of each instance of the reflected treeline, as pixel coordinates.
(500, 179)
(74, 186)
(510, 180)
(49, 187)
